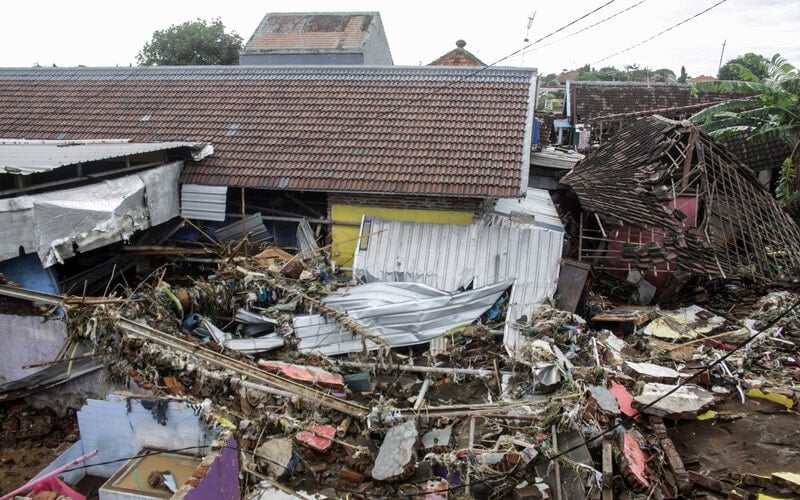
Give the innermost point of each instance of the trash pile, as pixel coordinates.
(588, 408)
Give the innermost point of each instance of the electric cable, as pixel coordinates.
(662, 32)
(612, 16)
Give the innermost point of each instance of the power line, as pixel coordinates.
(553, 32)
(317, 141)
(612, 16)
(661, 32)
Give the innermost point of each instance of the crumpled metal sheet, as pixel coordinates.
(400, 313)
(451, 256)
(58, 224)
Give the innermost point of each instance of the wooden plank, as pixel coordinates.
(684, 482)
(608, 470)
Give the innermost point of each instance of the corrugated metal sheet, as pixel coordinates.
(30, 157)
(536, 204)
(201, 202)
(449, 257)
(58, 224)
(400, 313)
(253, 224)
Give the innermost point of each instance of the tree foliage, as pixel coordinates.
(754, 63)
(766, 108)
(630, 73)
(191, 43)
(684, 76)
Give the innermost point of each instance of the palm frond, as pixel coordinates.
(732, 106)
(788, 134)
(730, 87)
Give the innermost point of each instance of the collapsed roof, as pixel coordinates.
(692, 206)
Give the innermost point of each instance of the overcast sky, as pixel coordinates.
(108, 33)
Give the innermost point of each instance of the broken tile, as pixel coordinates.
(396, 457)
(318, 437)
(306, 374)
(624, 399)
(437, 438)
(634, 462)
(686, 402)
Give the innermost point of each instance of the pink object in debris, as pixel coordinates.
(624, 399)
(635, 457)
(305, 374)
(55, 485)
(319, 437)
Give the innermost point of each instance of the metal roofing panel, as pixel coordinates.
(68, 221)
(449, 257)
(201, 202)
(536, 203)
(253, 225)
(29, 157)
(399, 313)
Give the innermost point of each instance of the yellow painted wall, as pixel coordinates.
(345, 237)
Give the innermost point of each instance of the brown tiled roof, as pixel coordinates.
(626, 101)
(634, 178)
(767, 154)
(416, 130)
(459, 56)
(312, 31)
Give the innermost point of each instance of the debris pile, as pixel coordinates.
(586, 408)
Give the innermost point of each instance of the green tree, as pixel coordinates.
(664, 75)
(549, 81)
(191, 43)
(684, 76)
(767, 108)
(754, 63)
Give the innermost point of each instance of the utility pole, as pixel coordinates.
(527, 34)
(530, 24)
(720, 56)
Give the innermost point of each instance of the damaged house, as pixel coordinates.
(662, 202)
(595, 111)
(63, 198)
(326, 144)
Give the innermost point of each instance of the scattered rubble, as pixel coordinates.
(581, 409)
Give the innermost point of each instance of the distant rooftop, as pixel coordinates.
(459, 56)
(314, 33)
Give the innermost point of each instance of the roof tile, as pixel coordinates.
(376, 121)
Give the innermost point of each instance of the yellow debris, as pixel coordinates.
(772, 396)
(709, 415)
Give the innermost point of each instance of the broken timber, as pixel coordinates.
(682, 478)
(252, 373)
